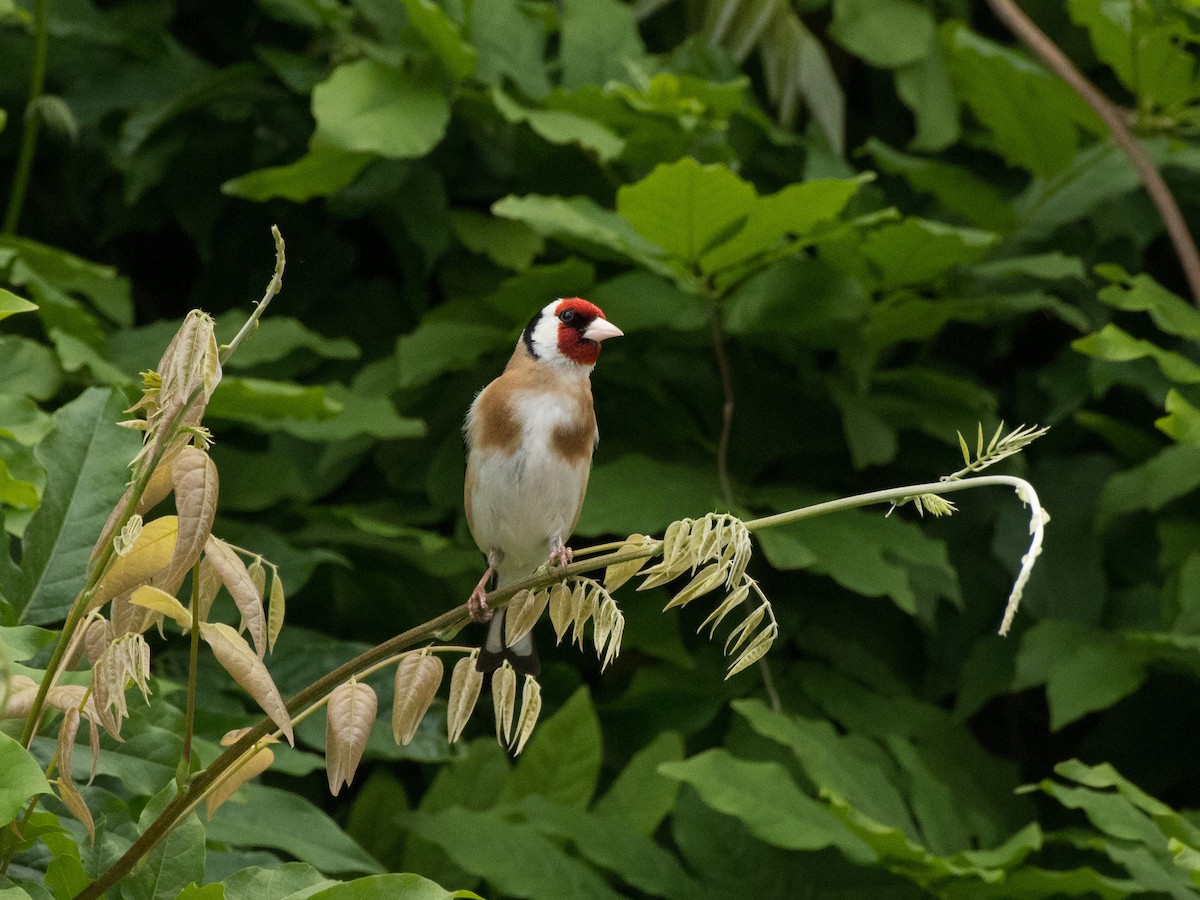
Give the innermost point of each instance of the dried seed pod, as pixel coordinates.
(504, 698)
(524, 610)
(350, 714)
(531, 708)
(465, 682)
(560, 609)
(417, 679)
(276, 605)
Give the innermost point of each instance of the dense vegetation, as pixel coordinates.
(835, 232)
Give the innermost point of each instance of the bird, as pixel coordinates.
(530, 435)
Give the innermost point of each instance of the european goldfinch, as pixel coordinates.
(530, 436)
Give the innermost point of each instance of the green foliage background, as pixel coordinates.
(970, 246)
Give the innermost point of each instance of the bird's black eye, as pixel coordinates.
(567, 316)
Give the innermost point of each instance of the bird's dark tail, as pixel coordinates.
(522, 655)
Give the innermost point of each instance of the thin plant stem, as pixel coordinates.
(1008, 12)
(273, 287)
(32, 119)
(193, 666)
(451, 622)
(727, 406)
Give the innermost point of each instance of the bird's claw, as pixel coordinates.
(477, 606)
(561, 556)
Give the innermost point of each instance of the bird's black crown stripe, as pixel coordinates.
(527, 335)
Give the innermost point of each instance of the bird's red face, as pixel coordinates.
(581, 328)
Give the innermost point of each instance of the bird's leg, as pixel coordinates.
(560, 554)
(477, 602)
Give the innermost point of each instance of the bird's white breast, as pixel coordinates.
(520, 499)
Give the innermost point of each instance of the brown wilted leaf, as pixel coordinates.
(524, 610)
(350, 714)
(236, 657)
(99, 635)
(194, 475)
(276, 607)
(74, 803)
(251, 764)
(162, 602)
(210, 586)
(239, 584)
(149, 555)
(504, 700)
(417, 678)
(531, 708)
(66, 742)
(162, 479)
(465, 683)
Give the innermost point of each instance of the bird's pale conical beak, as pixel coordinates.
(601, 330)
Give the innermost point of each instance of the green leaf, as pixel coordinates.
(562, 760)
(642, 301)
(87, 460)
(28, 369)
(687, 208)
(511, 42)
(358, 414)
(512, 245)
(1182, 421)
(637, 494)
(252, 817)
(1141, 293)
(11, 304)
(442, 36)
(955, 187)
(783, 221)
(763, 796)
(516, 859)
(884, 33)
(20, 778)
(867, 554)
(1095, 176)
(20, 643)
(436, 348)
(321, 172)
(387, 887)
(599, 42)
(811, 301)
(850, 766)
(606, 841)
(1051, 266)
(365, 106)
(1173, 473)
(1030, 115)
(76, 355)
(277, 337)
(266, 402)
(919, 250)
(1117, 345)
(1084, 669)
(924, 87)
(108, 292)
(579, 222)
(1141, 48)
(174, 863)
(640, 794)
(561, 127)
